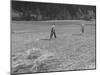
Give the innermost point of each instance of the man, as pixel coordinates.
(82, 28)
(53, 31)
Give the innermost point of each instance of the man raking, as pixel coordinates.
(52, 31)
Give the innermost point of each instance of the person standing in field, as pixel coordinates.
(52, 31)
(82, 28)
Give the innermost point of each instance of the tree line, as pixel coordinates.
(37, 11)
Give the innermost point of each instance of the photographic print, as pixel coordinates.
(52, 37)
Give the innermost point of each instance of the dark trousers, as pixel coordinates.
(51, 35)
(82, 29)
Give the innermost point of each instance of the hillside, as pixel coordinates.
(51, 11)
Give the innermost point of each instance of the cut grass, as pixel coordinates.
(32, 52)
(33, 60)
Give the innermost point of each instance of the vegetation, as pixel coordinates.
(51, 11)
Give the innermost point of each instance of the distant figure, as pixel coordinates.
(82, 28)
(52, 31)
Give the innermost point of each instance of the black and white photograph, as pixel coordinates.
(52, 37)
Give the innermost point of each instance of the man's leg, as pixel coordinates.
(54, 34)
(51, 35)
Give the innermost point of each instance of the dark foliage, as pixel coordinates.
(50, 11)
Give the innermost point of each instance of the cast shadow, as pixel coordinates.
(46, 39)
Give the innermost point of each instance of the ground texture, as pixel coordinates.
(33, 51)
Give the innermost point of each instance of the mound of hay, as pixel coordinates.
(34, 60)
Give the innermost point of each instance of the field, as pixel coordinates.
(33, 51)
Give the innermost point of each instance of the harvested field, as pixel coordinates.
(33, 51)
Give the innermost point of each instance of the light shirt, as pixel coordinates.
(53, 25)
(82, 24)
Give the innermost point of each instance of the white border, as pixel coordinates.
(5, 37)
